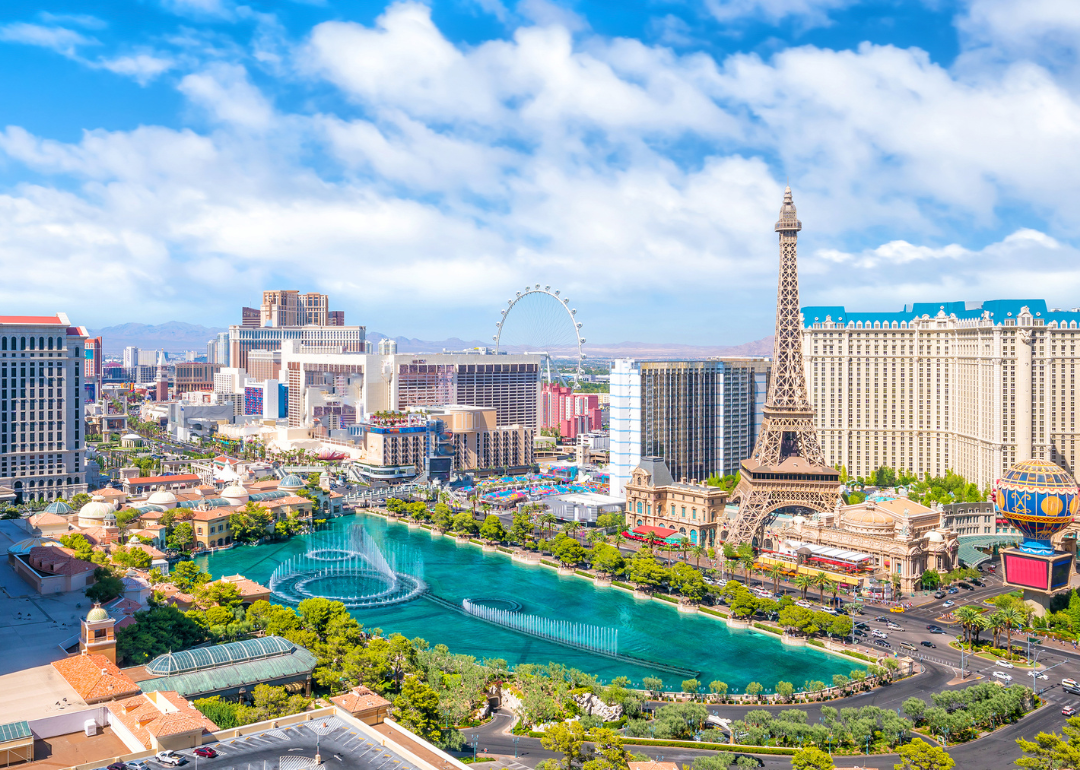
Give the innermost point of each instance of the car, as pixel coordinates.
(859, 632)
(896, 609)
(879, 634)
(937, 631)
(117, 766)
(1041, 676)
(804, 604)
(966, 587)
(170, 758)
(205, 751)
(861, 624)
(928, 644)
(881, 619)
(979, 583)
(953, 590)
(1068, 711)
(1002, 676)
(949, 603)
(882, 643)
(138, 764)
(1005, 664)
(939, 595)
(931, 628)
(893, 626)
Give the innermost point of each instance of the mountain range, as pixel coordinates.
(179, 336)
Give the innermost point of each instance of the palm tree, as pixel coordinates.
(775, 571)
(698, 551)
(546, 521)
(747, 562)
(980, 624)
(966, 615)
(834, 589)
(997, 623)
(617, 538)
(821, 580)
(1014, 619)
(803, 582)
(684, 546)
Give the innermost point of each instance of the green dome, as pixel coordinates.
(96, 614)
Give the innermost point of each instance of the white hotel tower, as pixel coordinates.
(967, 387)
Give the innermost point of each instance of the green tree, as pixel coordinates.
(811, 758)
(218, 593)
(754, 689)
(493, 530)
(607, 560)
(521, 529)
(568, 551)
(608, 751)
(718, 688)
(655, 685)
(1050, 751)
(691, 686)
(250, 523)
(465, 524)
(566, 739)
(79, 544)
(920, 755)
(785, 689)
(130, 557)
(803, 583)
(930, 579)
(442, 516)
(182, 536)
(914, 708)
(187, 576)
(106, 586)
(417, 708)
(679, 720)
(645, 572)
(688, 582)
(80, 499)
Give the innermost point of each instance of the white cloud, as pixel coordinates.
(141, 67)
(60, 39)
(808, 12)
(78, 19)
(200, 8)
(225, 92)
(997, 32)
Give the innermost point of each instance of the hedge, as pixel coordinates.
(549, 563)
(627, 586)
(782, 750)
(666, 598)
(504, 550)
(583, 573)
(770, 629)
(712, 612)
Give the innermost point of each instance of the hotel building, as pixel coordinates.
(944, 386)
(701, 417)
(41, 375)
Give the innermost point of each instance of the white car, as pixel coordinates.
(1005, 664)
(879, 634)
(170, 758)
(1003, 676)
(949, 603)
(1041, 676)
(137, 765)
(804, 604)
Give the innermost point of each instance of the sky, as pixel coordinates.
(422, 162)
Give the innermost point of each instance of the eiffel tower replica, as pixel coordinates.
(787, 468)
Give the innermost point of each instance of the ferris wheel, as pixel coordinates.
(539, 320)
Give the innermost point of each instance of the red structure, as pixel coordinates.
(568, 412)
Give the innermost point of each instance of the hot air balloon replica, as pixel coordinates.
(1040, 499)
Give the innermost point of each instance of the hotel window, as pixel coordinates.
(639, 506)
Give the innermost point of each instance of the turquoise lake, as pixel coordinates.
(648, 629)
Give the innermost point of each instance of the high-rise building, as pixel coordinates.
(131, 357)
(93, 368)
(161, 390)
(967, 387)
(41, 441)
(702, 417)
(250, 316)
(195, 375)
(264, 364)
(568, 412)
(387, 346)
(290, 315)
(509, 384)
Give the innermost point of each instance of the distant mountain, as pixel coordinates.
(172, 336)
(660, 350)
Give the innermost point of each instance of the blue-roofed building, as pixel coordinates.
(964, 386)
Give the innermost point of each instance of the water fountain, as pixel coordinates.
(351, 568)
(599, 639)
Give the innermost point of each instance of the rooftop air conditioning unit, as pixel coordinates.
(90, 727)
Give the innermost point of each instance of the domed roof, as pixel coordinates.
(162, 497)
(935, 537)
(96, 614)
(59, 507)
(1038, 498)
(131, 437)
(234, 492)
(292, 481)
(869, 519)
(97, 508)
(22, 547)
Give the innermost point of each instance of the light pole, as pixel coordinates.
(1034, 672)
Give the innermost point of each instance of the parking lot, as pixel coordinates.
(340, 746)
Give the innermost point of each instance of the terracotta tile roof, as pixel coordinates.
(111, 493)
(124, 622)
(101, 535)
(222, 512)
(95, 678)
(121, 604)
(360, 699)
(30, 319)
(159, 715)
(57, 561)
(244, 586)
(154, 553)
(290, 500)
(181, 478)
(151, 516)
(47, 520)
(652, 764)
(174, 595)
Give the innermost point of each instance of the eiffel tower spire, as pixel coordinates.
(787, 467)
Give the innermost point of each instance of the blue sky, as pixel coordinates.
(168, 159)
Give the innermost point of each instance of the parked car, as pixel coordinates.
(928, 644)
(205, 751)
(861, 624)
(939, 595)
(138, 764)
(1002, 676)
(117, 766)
(1005, 664)
(1069, 711)
(979, 583)
(948, 604)
(882, 643)
(859, 632)
(170, 758)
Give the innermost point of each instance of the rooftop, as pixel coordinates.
(95, 677)
(219, 655)
(159, 714)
